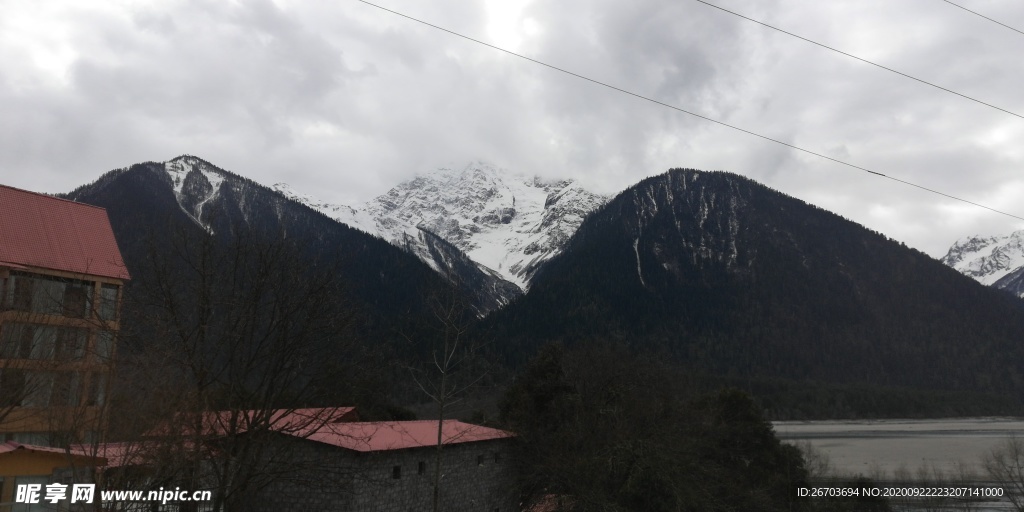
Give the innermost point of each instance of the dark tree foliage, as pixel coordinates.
(601, 429)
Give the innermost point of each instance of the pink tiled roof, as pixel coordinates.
(37, 230)
(12, 446)
(340, 431)
(398, 435)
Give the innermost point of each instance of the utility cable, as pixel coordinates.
(673, 107)
(983, 16)
(891, 70)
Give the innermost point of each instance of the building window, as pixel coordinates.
(97, 389)
(19, 293)
(105, 345)
(17, 341)
(396, 472)
(76, 300)
(12, 387)
(30, 341)
(49, 295)
(70, 344)
(91, 437)
(41, 481)
(67, 389)
(421, 467)
(479, 460)
(108, 301)
(38, 388)
(497, 458)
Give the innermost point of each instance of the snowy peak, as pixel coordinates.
(994, 261)
(196, 183)
(508, 223)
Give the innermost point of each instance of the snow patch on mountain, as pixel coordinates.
(195, 184)
(509, 223)
(989, 259)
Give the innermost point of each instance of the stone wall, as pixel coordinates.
(476, 476)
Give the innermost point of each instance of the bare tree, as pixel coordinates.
(816, 461)
(231, 333)
(1005, 465)
(449, 371)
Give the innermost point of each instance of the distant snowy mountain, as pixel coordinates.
(222, 202)
(508, 223)
(160, 208)
(996, 261)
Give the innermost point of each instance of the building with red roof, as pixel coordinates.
(61, 277)
(390, 465)
(327, 460)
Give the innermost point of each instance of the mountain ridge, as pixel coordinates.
(996, 261)
(144, 199)
(735, 279)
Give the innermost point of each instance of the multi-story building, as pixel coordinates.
(61, 279)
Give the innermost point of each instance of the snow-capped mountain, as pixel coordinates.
(996, 261)
(508, 223)
(224, 203)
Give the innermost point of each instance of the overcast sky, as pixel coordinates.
(342, 100)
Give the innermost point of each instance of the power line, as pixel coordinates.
(673, 107)
(862, 59)
(983, 16)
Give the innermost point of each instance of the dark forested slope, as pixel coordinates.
(730, 277)
(382, 282)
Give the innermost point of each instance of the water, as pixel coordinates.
(893, 450)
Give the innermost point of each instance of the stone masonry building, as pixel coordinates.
(389, 467)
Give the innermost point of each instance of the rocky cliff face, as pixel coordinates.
(508, 223)
(996, 261)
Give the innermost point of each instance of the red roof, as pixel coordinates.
(37, 230)
(13, 446)
(337, 428)
(398, 435)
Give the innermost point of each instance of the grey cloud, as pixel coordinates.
(343, 100)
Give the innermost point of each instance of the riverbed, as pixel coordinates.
(869, 446)
(891, 450)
